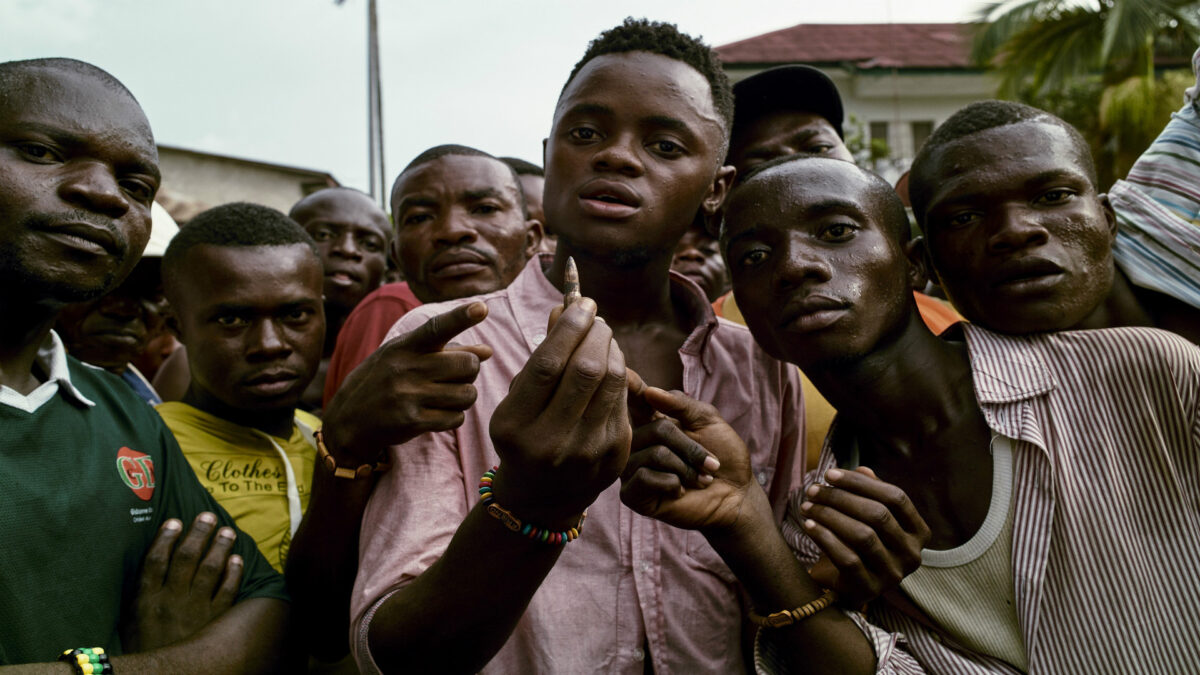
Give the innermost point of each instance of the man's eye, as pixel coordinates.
(485, 209)
(322, 235)
(820, 149)
(138, 189)
(838, 232)
(667, 147)
(1056, 196)
(372, 245)
(962, 219)
(298, 316)
(37, 151)
(753, 258)
(417, 219)
(583, 134)
(230, 321)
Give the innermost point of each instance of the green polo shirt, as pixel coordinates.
(88, 474)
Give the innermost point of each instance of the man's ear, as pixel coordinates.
(545, 141)
(534, 233)
(719, 189)
(1109, 214)
(920, 271)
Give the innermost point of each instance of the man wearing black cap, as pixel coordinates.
(788, 110)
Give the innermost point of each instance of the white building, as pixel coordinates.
(899, 80)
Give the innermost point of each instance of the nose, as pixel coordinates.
(345, 246)
(455, 229)
(266, 342)
(801, 265)
(619, 154)
(91, 185)
(1016, 228)
(689, 254)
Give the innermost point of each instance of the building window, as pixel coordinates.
(920, 133)
(879, 131)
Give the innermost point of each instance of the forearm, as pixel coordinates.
(323, 561)
(827, 642)
(249, 638)
(460, 612)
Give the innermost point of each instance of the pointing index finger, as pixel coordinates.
(434, 334)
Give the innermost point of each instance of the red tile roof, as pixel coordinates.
(866, 45)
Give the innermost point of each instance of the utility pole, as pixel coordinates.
(376, 172)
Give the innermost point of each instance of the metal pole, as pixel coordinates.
(376, 173)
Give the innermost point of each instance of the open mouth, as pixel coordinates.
(609, 199)
(341, 278)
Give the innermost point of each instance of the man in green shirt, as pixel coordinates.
(92, 485)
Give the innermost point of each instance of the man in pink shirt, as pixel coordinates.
(634, 151)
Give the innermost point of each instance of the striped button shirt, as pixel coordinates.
(1158, 208)
(1106, 490)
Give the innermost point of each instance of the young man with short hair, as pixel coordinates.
(244, 282)
(93, 486)
(634, 152)
(1019, 235)
(1011, 479)
(470, 234)
(351, 233)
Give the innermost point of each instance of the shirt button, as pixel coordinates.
(644, 566)
(638, 654)
(762, 477)
(537, 339)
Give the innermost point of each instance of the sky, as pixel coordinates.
(284, 81)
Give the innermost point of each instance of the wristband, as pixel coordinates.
(88, 661)
(330, 463)
(515, 524)
(788, 617)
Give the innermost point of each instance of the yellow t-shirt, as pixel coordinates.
(242, 469)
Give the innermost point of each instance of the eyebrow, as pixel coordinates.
(1057, 174)
(833, 206)
(416, 200)
(482, 193)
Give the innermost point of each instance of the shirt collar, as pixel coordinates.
(52, 358)
(1005, 370)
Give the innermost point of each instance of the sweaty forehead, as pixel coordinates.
(646, 84)
(796, 187)
(79, 104)
(341, 206)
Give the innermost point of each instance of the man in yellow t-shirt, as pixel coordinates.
(244, 285)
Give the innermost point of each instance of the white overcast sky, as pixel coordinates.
(285, 80)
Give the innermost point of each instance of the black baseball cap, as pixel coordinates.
(794, 87)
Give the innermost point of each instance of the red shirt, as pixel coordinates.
(364, 331)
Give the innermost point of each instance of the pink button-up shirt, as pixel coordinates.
(628, 581)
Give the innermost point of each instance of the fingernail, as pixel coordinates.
(226, 534)
(810, 524)
(813, 491)
(711, 464)
(706, 479)
(833, 474)
(477, 310)
(172, 525)
(806, 506)
(207, 518)
(235, 560)
(600, 319)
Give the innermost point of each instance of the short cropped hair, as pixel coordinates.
(524, 168)
(232, 225)
(891, 209)
(972, 119)
(453, 150)
(665, 39)
(12, 72)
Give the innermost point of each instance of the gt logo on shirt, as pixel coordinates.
(137, 472)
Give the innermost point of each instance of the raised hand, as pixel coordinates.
(869, 531)
(688, 469)
(182, 587)
(563, 432)
(412, 384)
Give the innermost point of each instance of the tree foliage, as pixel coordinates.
(1093, 63)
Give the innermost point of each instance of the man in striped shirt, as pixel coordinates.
(1056, 476)
(1017, 233)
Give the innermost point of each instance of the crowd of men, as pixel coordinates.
(683, 400)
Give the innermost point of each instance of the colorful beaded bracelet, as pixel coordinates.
(515, 524)
(88, 661)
